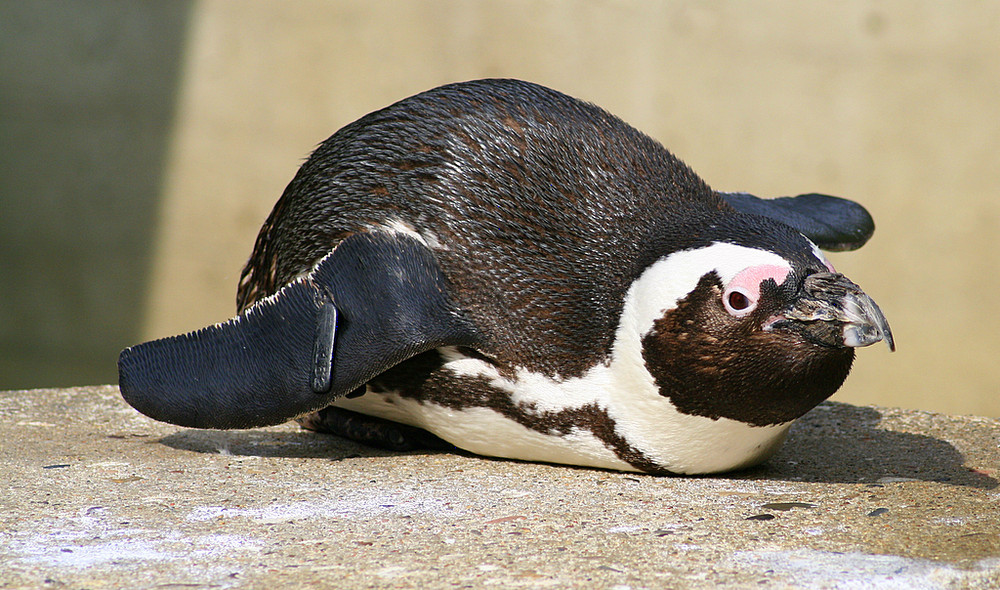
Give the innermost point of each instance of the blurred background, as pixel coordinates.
(142, 144)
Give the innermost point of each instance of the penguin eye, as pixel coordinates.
(738, 302)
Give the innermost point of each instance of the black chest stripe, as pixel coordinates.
(424, 379)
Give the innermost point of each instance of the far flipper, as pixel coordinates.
(831, 222)
(376, 300)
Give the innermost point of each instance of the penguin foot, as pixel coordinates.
(372, 431)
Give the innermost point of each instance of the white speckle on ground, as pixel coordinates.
(624, 529)
(369, 505)
(853, 571)
(95, 537)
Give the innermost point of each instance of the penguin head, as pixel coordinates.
(752, 326)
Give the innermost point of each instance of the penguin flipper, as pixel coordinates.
(832, 223)
(374, 301)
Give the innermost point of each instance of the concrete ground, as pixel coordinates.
(97, 496)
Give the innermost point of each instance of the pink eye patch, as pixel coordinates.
(743, 292)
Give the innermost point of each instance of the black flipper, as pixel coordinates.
(373, 302)
(831, 223)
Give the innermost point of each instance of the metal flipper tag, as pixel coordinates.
(326, 329)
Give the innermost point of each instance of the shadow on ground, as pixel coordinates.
(835, 443)
(841, 443)
(301, 444)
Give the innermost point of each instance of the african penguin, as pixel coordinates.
(523, 275)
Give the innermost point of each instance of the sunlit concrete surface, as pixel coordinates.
(98, 496)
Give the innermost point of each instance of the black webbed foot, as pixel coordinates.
(372, 431)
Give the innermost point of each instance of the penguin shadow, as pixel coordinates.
(842, 443)
(834, 443)
(286, 444)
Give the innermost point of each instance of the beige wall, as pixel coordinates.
(895, 104)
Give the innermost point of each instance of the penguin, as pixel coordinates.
(499, 267)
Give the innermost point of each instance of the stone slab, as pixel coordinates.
(98, 496)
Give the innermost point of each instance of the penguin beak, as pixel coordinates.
(831, 310)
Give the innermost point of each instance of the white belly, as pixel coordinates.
(650, 424)
(486, 432)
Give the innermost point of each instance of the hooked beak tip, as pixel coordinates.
(865, 324)
(857, 335)
(832, 300)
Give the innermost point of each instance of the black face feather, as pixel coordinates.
(711, 364)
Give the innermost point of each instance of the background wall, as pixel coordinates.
(143, 144)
